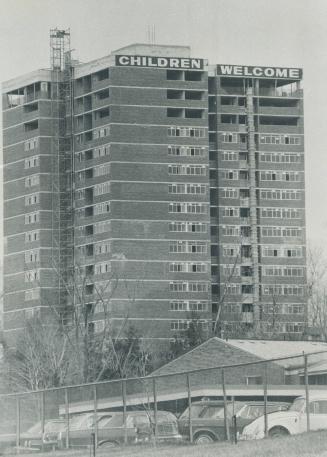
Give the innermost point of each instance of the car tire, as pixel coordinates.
(203, 438)
(278, 432)
(108, 444)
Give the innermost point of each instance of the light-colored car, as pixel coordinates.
(292, 421)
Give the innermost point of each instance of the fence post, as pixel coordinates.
(155, 408)
(265, 389)
(67, 417)
(42, 416)
(17, 423)
(123, 388)
(306, 382)
(227, 436)
(95, 399)
(189, 396)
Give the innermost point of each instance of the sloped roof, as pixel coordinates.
(218, 352)
(270, 349)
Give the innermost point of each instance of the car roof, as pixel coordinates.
(314, 396)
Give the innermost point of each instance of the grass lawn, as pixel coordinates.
(313, 444)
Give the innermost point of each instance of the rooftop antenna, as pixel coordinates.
(151, 34)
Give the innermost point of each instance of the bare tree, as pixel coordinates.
(41, 358)
(66, 346)
(317, 290)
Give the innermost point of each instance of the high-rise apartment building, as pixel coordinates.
(257, 198)
(148, 177)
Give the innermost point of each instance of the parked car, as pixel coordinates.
(111, 430)
(208, 422)
(33, 438)
(292, 421)
(7, 440)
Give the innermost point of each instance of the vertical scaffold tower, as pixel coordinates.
(62, 155)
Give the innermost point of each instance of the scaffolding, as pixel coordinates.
(253, 204)
(62, 156)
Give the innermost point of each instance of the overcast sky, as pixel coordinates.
(253, 32)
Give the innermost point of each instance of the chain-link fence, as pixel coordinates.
(228, 402)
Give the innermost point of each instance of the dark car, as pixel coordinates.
(111, 430)
(7, 440)
(208, 422)
(33, 438)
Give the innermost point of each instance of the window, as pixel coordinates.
(31, 144)
(230, 211)
(32, 275)
(101, 227)
(101, 170)
(280, 213)
(32, 294)
(280, 194)
(293, 290)
(32, 199)
(229, 193)
(31, 162)
(230, 251)
(280, 139)
(98, 327)
(230, 230)
(229, 155)
(253, 380)
(231, 289)
(230, 271)
(194, 132)
(102, 151)
(32, 218)
(102, 268)
(187, 151)
(102, 248)
(101, 132)
(194, 247)
(197, 208)
(186, 188)
(32, 256)
(181, 325)
(185, 305)
(193, 170)
(280, 157)
(195, 227)
(279, 176)
(102, 208)
(32, 180)
(293, 271)
(294, 327)
(271, 251)
(293, 309)
(231, 308)
(227, 137)
(30, 237)
(229, 174)
(101, 189)
(187, 267)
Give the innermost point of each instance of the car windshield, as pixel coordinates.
(81, 422)
(36, 428)
(297, 404)
(204, 411)
(54, 426)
